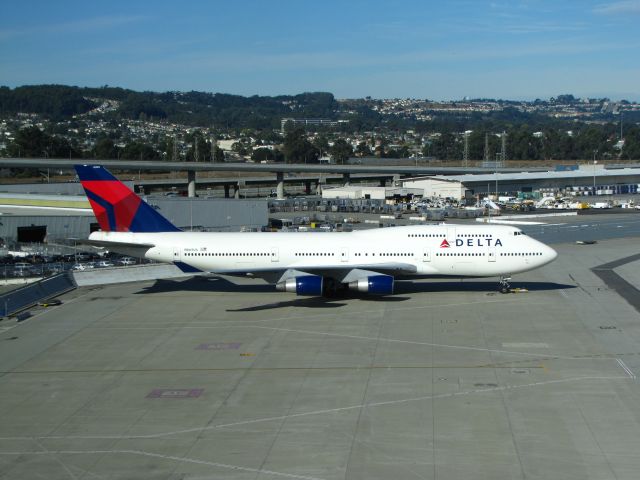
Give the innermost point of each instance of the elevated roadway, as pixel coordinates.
(347, 171)
(313, 183)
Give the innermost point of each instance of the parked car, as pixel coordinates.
(82, 266)
(103, 264)
(127, 261)
(23, 270)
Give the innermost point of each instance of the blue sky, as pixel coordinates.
(420, 49)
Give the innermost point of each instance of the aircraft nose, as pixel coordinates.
(551, 254)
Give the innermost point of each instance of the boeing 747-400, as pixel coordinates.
(309, 263)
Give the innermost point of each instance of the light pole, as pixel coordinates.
(594, 170)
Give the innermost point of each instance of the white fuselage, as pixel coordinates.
(456, 250)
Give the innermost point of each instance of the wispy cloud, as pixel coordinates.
(248, 62)
(74, 27)
(618, 8)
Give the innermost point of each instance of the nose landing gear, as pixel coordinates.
(505, 286)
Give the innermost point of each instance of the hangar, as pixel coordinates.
(39, 218)
(587, 179)
(370, 193)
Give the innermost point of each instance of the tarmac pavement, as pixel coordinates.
(202, 378)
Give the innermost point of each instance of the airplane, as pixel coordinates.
(309, 263)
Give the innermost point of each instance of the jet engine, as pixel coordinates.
(303, 285)
(375, 284)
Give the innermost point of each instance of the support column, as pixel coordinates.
(346, 179)
(307, 188)
(319, 185)
(396, 180)
(226, 191)
(280, 185)
(236, 190)
(191, 181)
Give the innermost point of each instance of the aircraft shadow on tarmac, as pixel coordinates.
(472, 285)
(403, 290)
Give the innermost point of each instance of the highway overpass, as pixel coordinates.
(279, 169)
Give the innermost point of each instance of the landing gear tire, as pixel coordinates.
(505, 287)
(329, 287)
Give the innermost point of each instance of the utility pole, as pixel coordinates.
(595, 152)
(486, 147)
(466, 148)
(174, 155)
(503, 152)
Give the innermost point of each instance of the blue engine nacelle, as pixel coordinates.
(375, 284)
(303, 285)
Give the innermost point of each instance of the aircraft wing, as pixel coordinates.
(342, 273)
(132, 249)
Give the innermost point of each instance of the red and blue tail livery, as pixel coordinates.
(116, 207)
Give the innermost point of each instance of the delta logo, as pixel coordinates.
(473, 242)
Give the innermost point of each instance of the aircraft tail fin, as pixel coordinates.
(116, 207)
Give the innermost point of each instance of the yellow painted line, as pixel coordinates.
(45, 203)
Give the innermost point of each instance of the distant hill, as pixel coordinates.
(191, 108)
(55, 101)
(225, 111)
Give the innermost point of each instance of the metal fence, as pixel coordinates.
(24, 297)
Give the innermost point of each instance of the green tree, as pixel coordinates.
(261, 154)
(33, 142)
(30, 142)
(105, 149)
(218, 155)
(341, 150)
(139, 151)
(199, 146)
(322, 144)
(445, 147)
(631, 149)
(363, 150)
(297, 149)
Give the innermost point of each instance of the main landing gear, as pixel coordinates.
(331, 288)
(505, 287)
